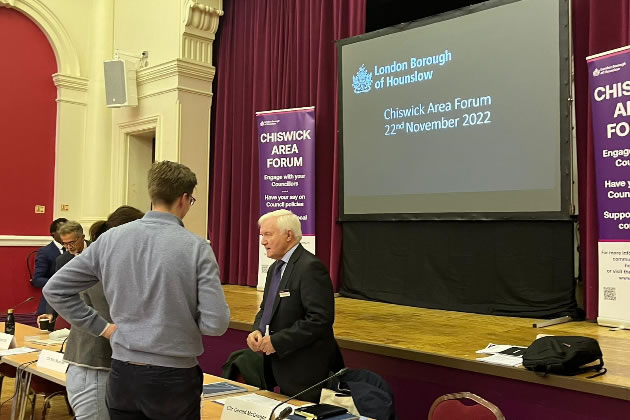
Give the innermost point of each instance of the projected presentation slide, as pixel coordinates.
(456, 116)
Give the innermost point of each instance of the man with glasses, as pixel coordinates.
(73, 240)
(162, 284)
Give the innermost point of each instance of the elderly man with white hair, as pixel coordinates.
(294, 326)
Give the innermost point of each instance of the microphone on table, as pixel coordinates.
(23, 302)
(284, 413)
(9, 324)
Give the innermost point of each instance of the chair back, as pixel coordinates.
(450, 406)
(30, 263)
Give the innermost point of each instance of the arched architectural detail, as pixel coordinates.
(36, 10)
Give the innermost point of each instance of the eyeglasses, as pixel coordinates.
(192, 200)
(72, 243)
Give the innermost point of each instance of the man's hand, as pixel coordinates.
(49, 317)
(266, 346)
(254, 339)
(109, 331)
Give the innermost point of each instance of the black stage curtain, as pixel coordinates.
(512, 268)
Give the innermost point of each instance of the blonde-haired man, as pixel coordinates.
(294, 326)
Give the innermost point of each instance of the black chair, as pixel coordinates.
(30, 264)
(48, 390)
(6, 371)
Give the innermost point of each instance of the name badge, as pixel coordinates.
(285, 293)
(52, 360)
(7, 341)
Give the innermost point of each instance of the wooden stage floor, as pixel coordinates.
(450, 339)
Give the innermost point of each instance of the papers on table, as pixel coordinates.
(19, 350)
(36, 339)
(59, 334)
(494, 348)
(500, 359)
(260, 400)
(502, 354)
(221, 388)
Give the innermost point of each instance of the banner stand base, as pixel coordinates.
(550, 322)
(622, 324)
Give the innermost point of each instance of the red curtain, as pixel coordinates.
(274, 54)
(597, 26)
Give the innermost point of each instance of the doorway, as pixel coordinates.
(140, 157)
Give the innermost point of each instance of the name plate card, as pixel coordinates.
(238, 409)
(7, 341)
(52, 360)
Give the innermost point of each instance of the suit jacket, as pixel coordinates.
(62, 260)
(45, 267)
(301, 325)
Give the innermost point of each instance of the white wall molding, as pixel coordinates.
(71, 89)
(14, 240)
(173, 69)
(71, 82)
(174, 77)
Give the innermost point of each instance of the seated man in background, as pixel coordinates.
(45, 261)
(294, 326)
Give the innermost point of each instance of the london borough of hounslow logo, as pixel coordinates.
(362, 81)
(596, 72)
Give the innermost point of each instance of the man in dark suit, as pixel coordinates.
(294, 326)
(45, 261)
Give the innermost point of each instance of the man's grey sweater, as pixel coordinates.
(162, 285)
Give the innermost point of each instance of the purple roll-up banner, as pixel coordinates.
(609, 88)
(286, 150)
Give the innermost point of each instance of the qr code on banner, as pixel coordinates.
(610, 293)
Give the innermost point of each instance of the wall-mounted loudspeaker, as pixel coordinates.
(120, 83)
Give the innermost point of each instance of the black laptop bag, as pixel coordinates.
(564, 355)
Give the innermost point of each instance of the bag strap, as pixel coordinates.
(544, 370)
(599, 368)
(600, 373)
